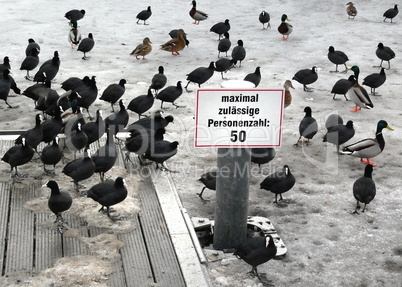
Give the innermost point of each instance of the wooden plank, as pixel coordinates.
(20, 251)
(72, 245)
(48, 243)
(5, 195)
(135, 259)
(162, 255)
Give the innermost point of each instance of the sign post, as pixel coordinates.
(234, 121)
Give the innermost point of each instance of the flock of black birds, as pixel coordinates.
(146, 137)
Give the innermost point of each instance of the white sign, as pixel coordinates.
(239, 118)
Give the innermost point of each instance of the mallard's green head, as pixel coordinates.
(284, 18)
(383, 125)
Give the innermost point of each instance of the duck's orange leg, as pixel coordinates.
(367, 161)
(175, 53)
(357, 108)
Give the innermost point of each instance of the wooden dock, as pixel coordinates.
(161, 251)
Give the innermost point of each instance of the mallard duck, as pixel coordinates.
(342, 86)
(358, 94)
(176, 44)
(338, 58)
(142, 49)
(385, 53)
(391, 13)
(264, 18)
(351, 10)
(368, 148)
(364, 189)
(220, 28)
(285, 28)
(279, 182)
(256, 251)
(306, 77)
(308, 126)
(288, 95)
(74, 36)
(197, 15)
(144, 15)
(375, 80)
(339, 134)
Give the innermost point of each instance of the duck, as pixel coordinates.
(31, 45)
(52, 127)
(51, 155)
(74, 35)
(224, 44)
(33, 136)
(141, 103)
(5, 86)
(75, 14)
(144, 15)
(95, 130)
(391, 13)
(5, 65)
(87, 94)
(116, 122)
(358, 94)
(279, 182)
(220, 28)
(80, 169)
(161, 151)
(86, 45)
(264, 18)
(308, 127)
(223, 65)
(142, 49)
(200, 75)
(385, 53)
(375, 80)
(106, 156)
(338, 58)
(170, 94)
(176, 44)
(239, 52)
(174, 34)
(59, 200)
(209, 181)
(364, 189)
(262, 156)
(197, 15)
(285, 28)
(254, 78)
(18, 155)
(30, 63)
(256, 251)
(108, 193)
(288, 96)
(49, 69)
(342, 87)
(306, 77)
(76, 139)
(351, 10)
(339, 134)
(158, 80)
(114, 92)
(369, 147)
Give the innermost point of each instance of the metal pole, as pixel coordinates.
(232, 192)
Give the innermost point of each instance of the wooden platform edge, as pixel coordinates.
(191, 262)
